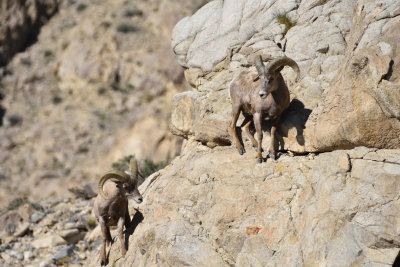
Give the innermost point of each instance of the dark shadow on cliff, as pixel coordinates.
(396, 262)
(137, 218)
(295, 116)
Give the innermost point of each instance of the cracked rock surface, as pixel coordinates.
(347, 51)
(213, 207)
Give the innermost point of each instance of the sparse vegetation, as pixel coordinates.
(82, 150)
(106, 24)
(101, 115)
(57, 99)
(14, 119)
(283, 18)
(81, 7)
(16, 203)
(48, 54)
(120, 88)
(149, 98)
(133, 13)
(101, 91)
(147, 168)
(122, 164)
(127, 28)
(91, 222)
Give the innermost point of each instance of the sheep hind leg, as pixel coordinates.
(127, 218)
(247, 122)
(232, 129)
(121, 223)
(257, 124)
(272, 151)
(104, 231)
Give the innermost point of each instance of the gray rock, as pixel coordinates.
(279, 213)
(64, 255)
(22, 230)
(72, 235)
(37, 217)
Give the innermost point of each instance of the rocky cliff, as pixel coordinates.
(95, 87)
(330, 199)
(348, 94)
(213, 207)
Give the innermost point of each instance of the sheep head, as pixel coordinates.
(127, 181)
(268, 74)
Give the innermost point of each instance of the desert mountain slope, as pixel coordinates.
(95, 87)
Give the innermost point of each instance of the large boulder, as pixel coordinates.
(212, 207)
(348, 94)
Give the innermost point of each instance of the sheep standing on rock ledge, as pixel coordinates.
(111, 204)
(267, 101)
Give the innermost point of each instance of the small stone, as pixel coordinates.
(48, 241)
(45, 264)
(323, 48)
(37, 217)
(22, 230)
(64, 255)
(4, 247)
(48, 222)
(28, 255)
(20, 256)
(72, 235)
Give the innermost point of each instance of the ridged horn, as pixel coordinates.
(133, 169)
(259, 65)
(120, 176)
(280, 62)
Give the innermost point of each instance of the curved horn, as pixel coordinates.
(259, 65)
(283, 61)
(133, 169)
(120, 176)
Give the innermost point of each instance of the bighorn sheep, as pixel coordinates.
(267, 101)
(111, 204)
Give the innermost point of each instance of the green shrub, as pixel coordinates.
(283, 18)
(17, 202)
(81, 7)
(127, 28)
(91, 222)
(133, 13)
(48, 54)
(147, 168)
(122, 164)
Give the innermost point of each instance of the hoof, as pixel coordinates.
(241, 151)
(272, 156)
(259, 160)
(102, 263)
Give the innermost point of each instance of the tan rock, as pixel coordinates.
(287, 212)
(48, 241)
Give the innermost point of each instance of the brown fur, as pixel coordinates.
(245, 96)
(114, 211)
